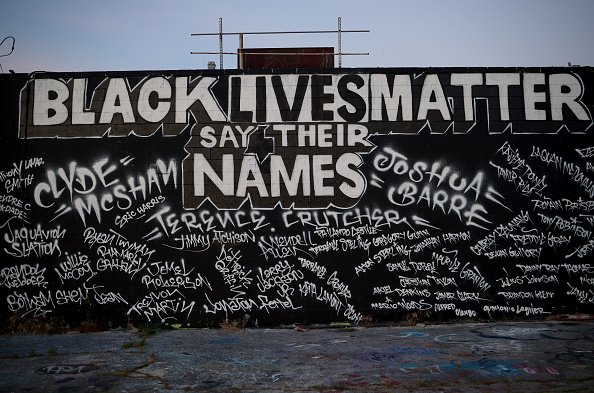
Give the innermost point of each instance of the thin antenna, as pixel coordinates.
(221, 43)
(339, 42)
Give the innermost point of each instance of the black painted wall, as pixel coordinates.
(342, 195)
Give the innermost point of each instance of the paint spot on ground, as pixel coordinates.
(68, 369)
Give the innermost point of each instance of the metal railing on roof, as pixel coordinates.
(221, 33)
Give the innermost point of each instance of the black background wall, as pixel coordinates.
(456, 212)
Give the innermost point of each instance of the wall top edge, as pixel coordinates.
(362, 70)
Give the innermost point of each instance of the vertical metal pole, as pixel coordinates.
(221, 43)
(241, 51)
(339, 42)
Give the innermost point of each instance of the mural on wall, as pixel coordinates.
(344, 195)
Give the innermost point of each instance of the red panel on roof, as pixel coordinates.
(258, 58)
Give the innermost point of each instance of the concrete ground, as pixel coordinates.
(494, 357)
